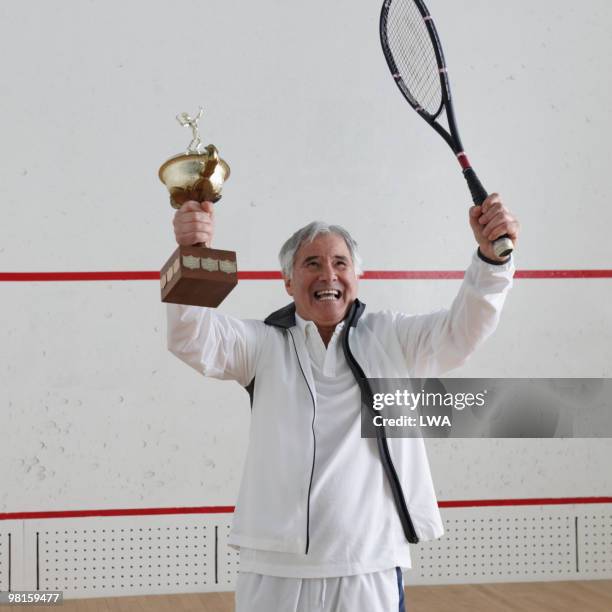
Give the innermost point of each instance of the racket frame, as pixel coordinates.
(503, 246)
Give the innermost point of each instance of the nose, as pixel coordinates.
(328, 272)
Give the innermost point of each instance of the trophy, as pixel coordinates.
(196, 275)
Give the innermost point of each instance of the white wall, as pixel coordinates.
(299, 100)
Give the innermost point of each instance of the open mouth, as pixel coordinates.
(327, 295)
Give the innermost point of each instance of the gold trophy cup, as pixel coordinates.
(196, 275)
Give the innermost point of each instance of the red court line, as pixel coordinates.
(33, 277)
(276, 275)
(4, 516)
(471, 503)
(534, 501)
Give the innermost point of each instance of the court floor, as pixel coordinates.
(575, 596)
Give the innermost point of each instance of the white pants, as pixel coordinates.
(376, 592)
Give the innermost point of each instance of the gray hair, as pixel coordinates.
(308, 233)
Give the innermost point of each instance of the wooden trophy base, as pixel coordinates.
(198, 276)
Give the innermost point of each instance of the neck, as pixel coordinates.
(326, 333)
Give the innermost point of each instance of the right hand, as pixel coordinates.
(194, 223)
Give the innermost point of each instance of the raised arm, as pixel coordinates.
(212, 343)
(441, 341)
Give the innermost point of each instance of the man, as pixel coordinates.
(324, 517)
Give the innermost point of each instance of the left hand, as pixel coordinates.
(491, 221)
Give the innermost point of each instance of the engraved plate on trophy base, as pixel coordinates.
(198, 276)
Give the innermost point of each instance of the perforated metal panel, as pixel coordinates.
(130, 555)
(134, 557)
(486, 546)
(516, 544)
(595, 537)
(229, 558)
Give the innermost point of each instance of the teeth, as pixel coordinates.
(327, 295)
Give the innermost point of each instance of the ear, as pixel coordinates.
(288, 287)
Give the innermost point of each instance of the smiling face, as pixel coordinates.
(323, 284)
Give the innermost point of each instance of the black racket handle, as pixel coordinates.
(503, 246)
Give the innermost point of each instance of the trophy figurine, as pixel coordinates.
(196, 275)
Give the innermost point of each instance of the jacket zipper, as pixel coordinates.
(314, 439)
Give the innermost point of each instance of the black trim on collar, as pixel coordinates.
(285, 317)
(355, 311)
(381, 438)
(250, 389)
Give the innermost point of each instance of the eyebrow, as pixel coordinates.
(317, 257)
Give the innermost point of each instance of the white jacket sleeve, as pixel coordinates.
(215, 344)
(441, 341)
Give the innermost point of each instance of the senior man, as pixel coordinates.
(324, 517)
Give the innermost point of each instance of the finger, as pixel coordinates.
(190, 205)
(493, 210)
(181, 219)
(191, 238)
(490, 200)
(194, 226)
(208, 207)
(188, 237)
(475, 212)
(497, 222)
(509, 229)
(189, 216)
(493, 223)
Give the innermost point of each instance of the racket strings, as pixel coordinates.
(414, 54)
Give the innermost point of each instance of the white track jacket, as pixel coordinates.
(271, 360)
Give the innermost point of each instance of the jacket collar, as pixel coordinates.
(285, 317)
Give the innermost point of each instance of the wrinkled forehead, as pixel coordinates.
(326, 246)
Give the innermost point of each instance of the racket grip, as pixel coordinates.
(479, 193)
(503, 246)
